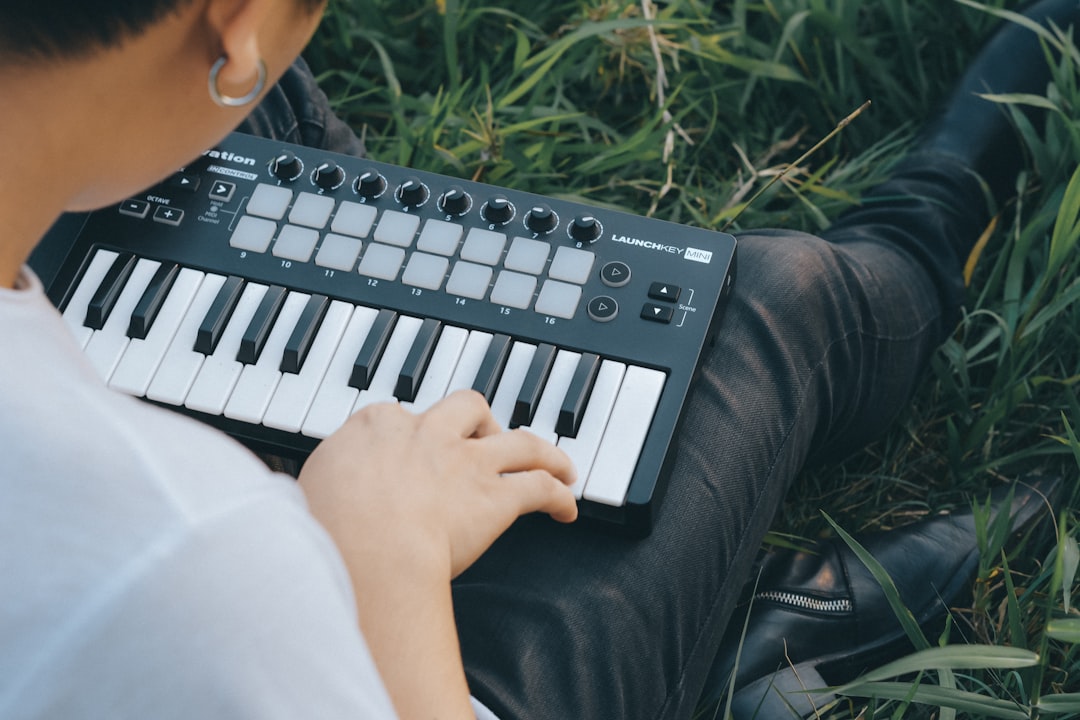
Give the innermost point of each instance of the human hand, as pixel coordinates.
(435, 488)
(413, 500)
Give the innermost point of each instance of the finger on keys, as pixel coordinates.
(518, 451)
(540, 491)
(468, 411)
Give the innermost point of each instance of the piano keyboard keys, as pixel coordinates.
(181, 363)
(383, 382)
(416, 363)
(218, 315)
(108, 343)
(626, 428)
(257, 382)
(101, 304)
(371, 352)
(251, 344)
(75, 312)
(291, 361)
(294, 396)
(146, 312)
(335, 397)
(221, 369)
(143, 356)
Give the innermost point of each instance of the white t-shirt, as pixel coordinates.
(150, 567)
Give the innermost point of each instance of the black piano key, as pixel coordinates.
(151, 301)
(262, 322)
(105, 297)
(307, 327)
(416, 362)
(577, 396)
(370, 354)
(217, 317)
(492, 366)
(533, 385)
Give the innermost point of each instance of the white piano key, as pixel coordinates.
(219, 372)
(583, 448)
(506, 392)
(181, 363)
(625, 435)
(469, 363)
(107, 345)
(334, 399)
(547, 411)
(441, 368)
(383, 382)
(257, 382)
(75, 312)
(296, 392)
(142, 357)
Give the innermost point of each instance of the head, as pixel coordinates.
(123, 84)
(34, 31)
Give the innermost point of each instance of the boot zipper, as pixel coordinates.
(805, 602)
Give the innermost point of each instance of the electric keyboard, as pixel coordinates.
(272, 290)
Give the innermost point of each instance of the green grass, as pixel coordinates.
(688, 115)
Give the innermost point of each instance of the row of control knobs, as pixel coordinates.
(413, 193)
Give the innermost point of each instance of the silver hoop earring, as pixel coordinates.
(224, 100)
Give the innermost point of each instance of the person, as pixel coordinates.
(155, 568)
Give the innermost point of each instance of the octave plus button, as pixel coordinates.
(665, 291)
(603, 308)
(615, 273)
(657, 313)
(168, 215)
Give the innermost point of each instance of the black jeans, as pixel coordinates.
(824, 340)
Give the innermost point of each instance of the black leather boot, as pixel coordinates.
(980, 132)
(820, 619)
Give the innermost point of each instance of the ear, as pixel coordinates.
(238, 24)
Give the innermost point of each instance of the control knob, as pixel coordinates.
(541, 219)
(585, 228)
(286, 166)
(371, 184)
(329, 175)
(498, 210)
(455, 201)
(412, 193)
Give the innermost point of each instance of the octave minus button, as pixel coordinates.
(491, 367)
(135, 208)
(307, 327)
(254, 338)
(416, 362)
(146, 311)
(105, 297)
(218, 315)
(533, 385)
(577, 395)
(371, 351)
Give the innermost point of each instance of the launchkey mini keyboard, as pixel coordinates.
(273, 290)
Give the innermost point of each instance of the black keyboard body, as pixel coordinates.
(653, 295)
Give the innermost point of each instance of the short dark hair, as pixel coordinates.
(53, 29)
